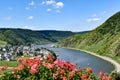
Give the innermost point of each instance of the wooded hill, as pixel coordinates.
(25, 36)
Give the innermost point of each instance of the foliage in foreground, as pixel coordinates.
(48, 69)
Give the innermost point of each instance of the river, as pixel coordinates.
(82, 59)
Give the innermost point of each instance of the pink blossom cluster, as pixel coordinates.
(54, 70)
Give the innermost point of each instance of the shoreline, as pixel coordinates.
(116, 64)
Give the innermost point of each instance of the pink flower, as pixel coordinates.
(23, 62)
(50, 58)
(35, 66)
(72, 67)
(57, 62)
(30, 62)
(37, 58)
(55, 74)
(101, 74)
(50, 66)
(106, 78)
(21, 67)
(18, 76)
(89, 70)
(62, 71)
(64, 78)
(84, 77)
(33, 71)
(20, 59)
(3, 67)
(71, 74)
(78, 70)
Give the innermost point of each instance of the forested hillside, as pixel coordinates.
(104, 40)
(25, 36)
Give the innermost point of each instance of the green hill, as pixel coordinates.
(104, 40)
(25, 36)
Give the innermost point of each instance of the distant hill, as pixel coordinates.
(82, 32)
(104, 40)
(25, 36)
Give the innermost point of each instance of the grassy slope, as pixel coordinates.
(9, 63)
(104, 40)
(2, 43)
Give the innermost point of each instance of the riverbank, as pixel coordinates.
(117, 65)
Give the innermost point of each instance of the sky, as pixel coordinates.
(66, 15)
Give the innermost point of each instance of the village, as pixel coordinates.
(11, 53)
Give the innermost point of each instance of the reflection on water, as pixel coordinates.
(82, 59)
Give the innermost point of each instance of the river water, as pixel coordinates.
(82, 59)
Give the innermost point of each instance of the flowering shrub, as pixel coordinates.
(3, 67)
(37, 69)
